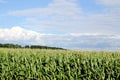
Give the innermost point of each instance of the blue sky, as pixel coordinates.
(72, 24)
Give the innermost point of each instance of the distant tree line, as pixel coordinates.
(8, 45)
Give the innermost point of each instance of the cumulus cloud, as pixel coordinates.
(19, 34)
(70, 41)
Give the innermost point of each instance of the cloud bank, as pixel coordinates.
(82, 30)
(88, 41)
(66, 16)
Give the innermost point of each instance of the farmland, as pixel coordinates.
(47, 64)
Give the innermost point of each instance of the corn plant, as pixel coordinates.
(46, 64)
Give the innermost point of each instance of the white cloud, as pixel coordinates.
(112, 6)
(81, 31)
(19, 34)
(92, 23)
(109, 2)
(57, 15)
(70, 41)
(32, 20)
(66, 16)
(58, 8)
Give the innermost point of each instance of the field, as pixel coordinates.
(41, 64)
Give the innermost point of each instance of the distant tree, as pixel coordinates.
(7, 45)
(27, 46)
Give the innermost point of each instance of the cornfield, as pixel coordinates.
(41, 64)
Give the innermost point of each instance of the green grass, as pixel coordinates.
(36, 64)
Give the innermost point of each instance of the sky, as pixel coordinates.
(71, 24)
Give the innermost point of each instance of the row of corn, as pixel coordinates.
(18, 64)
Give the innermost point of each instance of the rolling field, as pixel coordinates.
(41, 64)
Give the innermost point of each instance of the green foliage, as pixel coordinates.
(8, 45)
(40, 64)
(43, 47)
